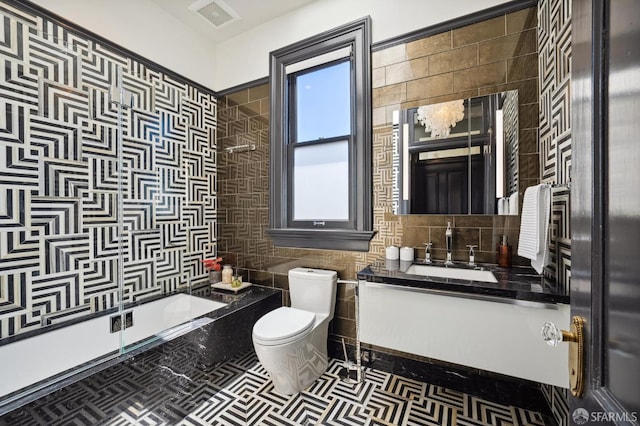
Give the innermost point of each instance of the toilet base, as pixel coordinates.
(295, 365)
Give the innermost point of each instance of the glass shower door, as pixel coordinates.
(163, 206)
(59, 183)
(142, 317)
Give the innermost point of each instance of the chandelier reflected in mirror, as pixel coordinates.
(438, 119)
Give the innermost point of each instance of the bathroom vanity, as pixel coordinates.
(488, 318)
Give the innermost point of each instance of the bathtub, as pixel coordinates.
(35, 359)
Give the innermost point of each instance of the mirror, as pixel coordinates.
(458, 157)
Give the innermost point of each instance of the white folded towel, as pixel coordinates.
(534, 226)
(513, 203)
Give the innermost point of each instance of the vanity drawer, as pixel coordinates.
(499, 335)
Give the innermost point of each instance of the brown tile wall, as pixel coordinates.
(483, 58)
(491, 56)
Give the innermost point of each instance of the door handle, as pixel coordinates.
(553, 335)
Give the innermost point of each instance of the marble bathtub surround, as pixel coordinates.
(223, 333)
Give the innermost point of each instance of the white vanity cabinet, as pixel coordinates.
(489, 333)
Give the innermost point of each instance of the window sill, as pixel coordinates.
(330, 239)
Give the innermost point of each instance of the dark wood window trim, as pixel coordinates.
(356, 34)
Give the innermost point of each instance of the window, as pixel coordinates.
(320, 182)
(320, 123)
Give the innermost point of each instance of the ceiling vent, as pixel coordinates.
(216, 12)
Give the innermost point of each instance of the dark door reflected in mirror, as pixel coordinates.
(458, 157)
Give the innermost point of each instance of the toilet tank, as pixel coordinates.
(313, 290)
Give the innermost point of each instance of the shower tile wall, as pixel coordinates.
(59, 239)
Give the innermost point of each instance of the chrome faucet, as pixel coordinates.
(427, 252)
(472, 254)
(449, 237)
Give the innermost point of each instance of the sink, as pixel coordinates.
(460, 274)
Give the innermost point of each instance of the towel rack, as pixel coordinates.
(561, 185)
(553, 185)
(240, 148)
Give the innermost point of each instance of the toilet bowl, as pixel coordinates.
(291, 342)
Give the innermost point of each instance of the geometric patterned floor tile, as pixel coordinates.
(405, 388)
(235, 414)
(215, 405)
(275, 419)
(387, 407)
(358, 393)
(468, 421)
(325, 386)
(304, 408)
(424, 411)
(256, 409)
(527, 417)
(150, 390)
(488, 412)
(380, 378)
(246, 384)
(446, 396)
(343, 413)
(269, 395)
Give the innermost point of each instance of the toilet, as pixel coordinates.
(291, 342)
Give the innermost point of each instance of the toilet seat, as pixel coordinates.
(283, 325)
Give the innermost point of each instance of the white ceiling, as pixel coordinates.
(251, 13)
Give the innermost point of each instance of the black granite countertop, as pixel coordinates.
(519, 283)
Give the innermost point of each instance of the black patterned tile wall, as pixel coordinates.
(554, 44)
(554, 41)
(64, 175)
